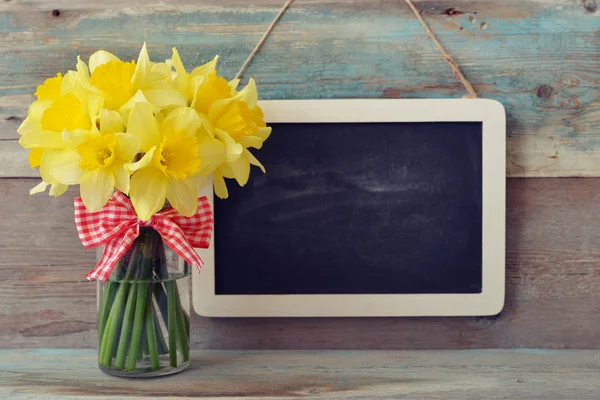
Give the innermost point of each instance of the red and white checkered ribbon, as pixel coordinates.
(117, 226)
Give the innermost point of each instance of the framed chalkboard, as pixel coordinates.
(368, 208)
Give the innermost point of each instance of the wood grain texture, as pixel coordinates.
(449, 375)
(541, 59)
(553, 276)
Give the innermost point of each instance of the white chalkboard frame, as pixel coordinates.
(490, 302)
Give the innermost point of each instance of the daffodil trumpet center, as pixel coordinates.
(177, 157)
(97, 152)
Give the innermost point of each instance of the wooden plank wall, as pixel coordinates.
(541, 59)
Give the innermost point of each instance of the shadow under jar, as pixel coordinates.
(144, 311)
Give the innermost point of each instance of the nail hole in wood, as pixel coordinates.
(590, 5)
(56, 13)
(453, 11)
(544, 91)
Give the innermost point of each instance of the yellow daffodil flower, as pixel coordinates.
(95, 160)
(238, 122)
(178, 156)
(119, 81)
(233, 118)
(189, 83)
(52, 114)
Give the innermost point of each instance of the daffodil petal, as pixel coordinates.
(196, 82)
(95, 104)
(238, 169)
(141, 76)
(96, 188)
(142, 163)
(27, 126)
(46, 165)
(121, 176)
(39, 188)
(127, 146)
(182, 119)
(161, 71)
(82, 69)
(43, 139)
(249, 94)
(148, 189)
(264, 132)
(163, 98)
(57, 189)
(101, 57)
(220, 186)
(35, 157)
(181, 81)
(78, 82)
(207, 68)
(33, 121)
(234, 83)
(251, 141)
(212, 153)
(110, 122)
(233, 149)
(183, 196)
(143, 125)
(77, 137)
(254, 161)
(207, 127)
(65, 166)
(138, 97)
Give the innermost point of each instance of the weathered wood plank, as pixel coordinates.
(553, 275)
(13, 161)
(539, 58)
(464, 375)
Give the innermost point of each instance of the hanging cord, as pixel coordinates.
(263, 38)
(457, 72)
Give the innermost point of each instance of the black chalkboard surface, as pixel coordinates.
(356, 208)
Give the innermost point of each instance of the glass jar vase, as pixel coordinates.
(144, 311)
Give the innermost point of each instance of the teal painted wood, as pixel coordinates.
(450, 375)
(539, 58)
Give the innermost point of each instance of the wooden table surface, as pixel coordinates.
(460, 374)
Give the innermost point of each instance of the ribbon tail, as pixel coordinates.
(114, 250)
(187, 252)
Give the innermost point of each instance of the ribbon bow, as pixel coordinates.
(117, 226)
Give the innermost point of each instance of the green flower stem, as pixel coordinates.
(151, 334)
(127, 326)
(134, 322)
(130, 273)
(172, 326)
(138, 324)
(182, 330)
(160, 338)
(115, 318)
(161, 299)
(186, 317)
(160, 258)
(143, 348)
(108, 297)
(104, 341)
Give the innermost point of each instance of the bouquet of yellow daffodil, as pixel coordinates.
(150, 130)
(153, 132)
